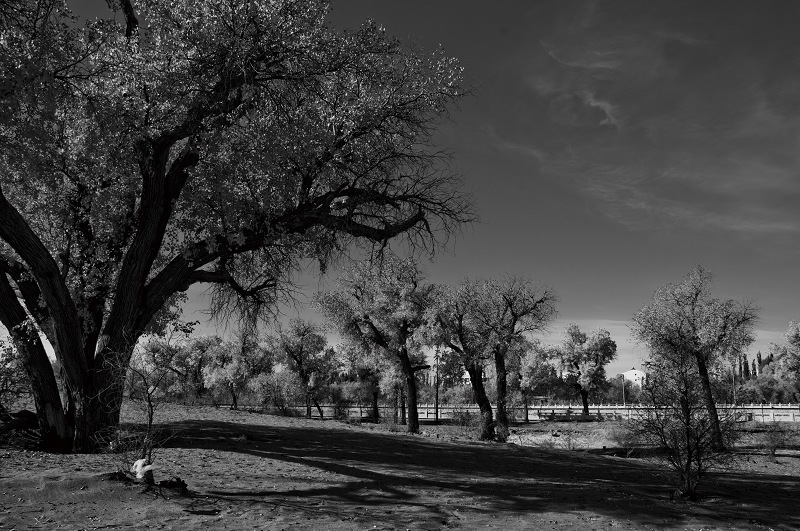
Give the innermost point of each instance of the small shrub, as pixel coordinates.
(468, 422)
(127, 446)
(775, 436)
(277, 391)
(624, 437)
(569, 440)
(341, 408)
(679, 425)
(396, 428)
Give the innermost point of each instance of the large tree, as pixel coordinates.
(509, 309)
(684, 320)
(538, 374)
(585, 357)
(486, 321)
(359, 374)
(221, 143)
(382, 304)
(230, 365)
(302, 346)
(453, 324)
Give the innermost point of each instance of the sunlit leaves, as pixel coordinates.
(685, 320)
(291, 131)
(584, 357)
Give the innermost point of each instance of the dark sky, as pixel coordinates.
(614, 145)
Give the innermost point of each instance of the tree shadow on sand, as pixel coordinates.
(399, 478)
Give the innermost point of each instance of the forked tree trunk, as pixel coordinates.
(411, 391)
(485, 407)
(96, 410)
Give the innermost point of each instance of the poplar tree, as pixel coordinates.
(222, 143)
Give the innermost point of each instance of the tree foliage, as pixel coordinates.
(221, 143)
(302, 347)
(360, 374)
(230, 365)
(584, 357)
(488, 321)
(381, 305)
(778, 378)
(538, 374)
(685, 320)
(453, 324)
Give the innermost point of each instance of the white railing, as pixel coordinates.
(427, 412)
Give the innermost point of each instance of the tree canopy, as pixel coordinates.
(217, 142)
(303, 347)
(585, 358)
(382, 306)
(685, 321)
(489, 319)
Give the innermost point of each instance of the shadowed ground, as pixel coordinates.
(255, 471)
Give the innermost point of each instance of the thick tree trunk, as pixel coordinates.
(96, 409)
(436, 398)
(501, 432)
(717, 442)
(487, 420)
(527, 419)
(413, 414)
(403, 420)
(395, 403)
(56, 432)
(411, 391)
(376, 412)
(585, 400)
(305, 378)
(235, 404)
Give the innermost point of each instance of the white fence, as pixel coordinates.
(427, 412)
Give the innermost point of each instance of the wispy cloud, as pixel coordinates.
(503, 144)
(638, 205)
(586, 57)
(683, 38)
(609, 109)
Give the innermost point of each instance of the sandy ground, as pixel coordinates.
(253, 471)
